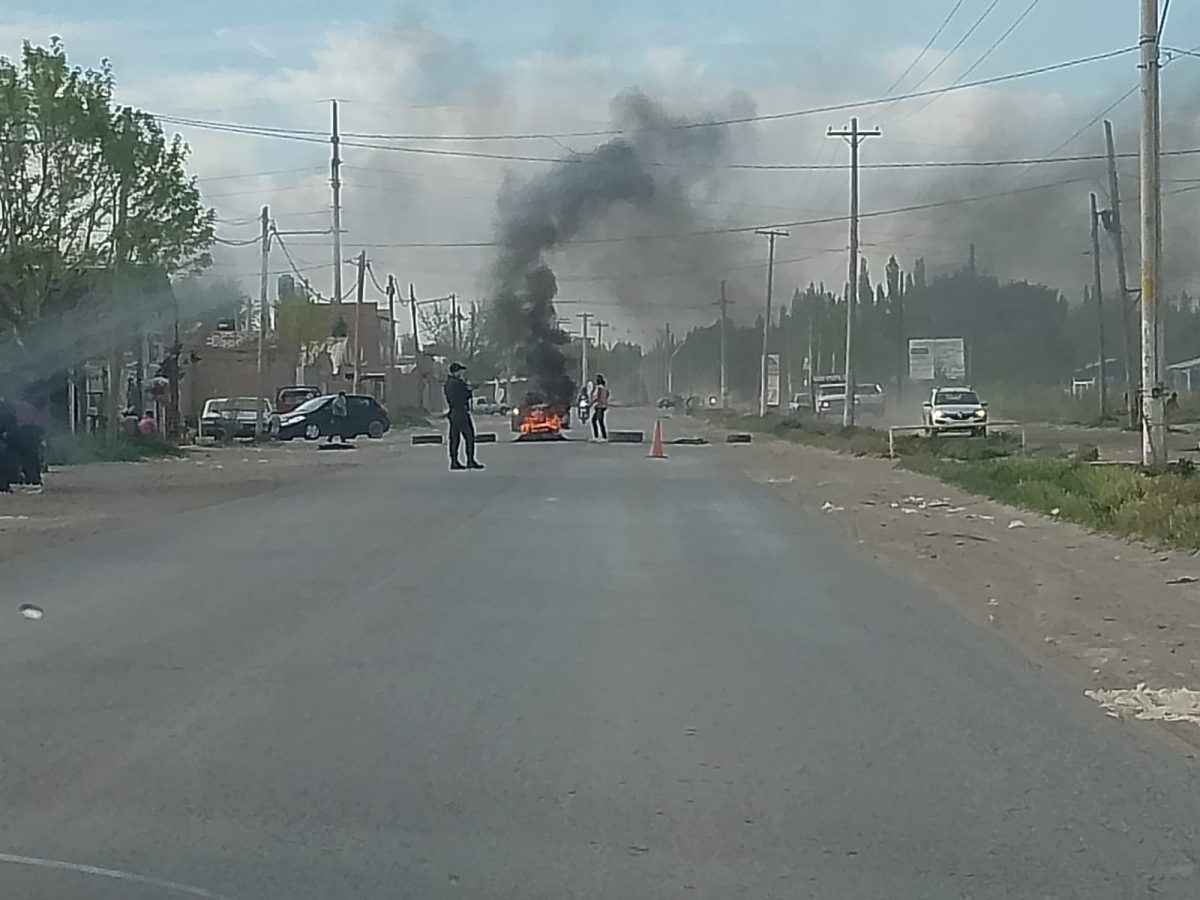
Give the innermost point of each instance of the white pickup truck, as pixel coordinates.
(831, 398)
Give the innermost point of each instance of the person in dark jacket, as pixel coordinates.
(458, 401)
(10, 460)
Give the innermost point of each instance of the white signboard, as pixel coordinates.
(936, 359)
(772, 379)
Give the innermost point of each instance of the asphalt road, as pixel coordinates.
(580, 673)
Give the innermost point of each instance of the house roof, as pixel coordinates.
(1184, 364)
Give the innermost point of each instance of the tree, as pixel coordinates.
(303, 324)
(85, 185)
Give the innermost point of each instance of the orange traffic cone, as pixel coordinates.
(656, 446)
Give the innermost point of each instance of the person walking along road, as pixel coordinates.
(340, 409)
(600, 409)
(458, 401)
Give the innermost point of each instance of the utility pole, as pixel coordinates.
(412, 309)
(335, 181)
(1098, 290)
(600, 326)
(668, 358)
(1112, 224)
(771, 234)
(454, 323)
(723, 303)
(854, 137)
(583, 374)
(260, 366)
(358, 301)
(1154, 449)
(391, 296)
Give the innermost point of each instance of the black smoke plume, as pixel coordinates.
(645, 177)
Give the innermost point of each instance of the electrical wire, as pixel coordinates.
(928, 46)
(228, 242)
(743, 229)
(374, 280)
(291, 262)
(323, 138)
(945, 59)
(980, 60)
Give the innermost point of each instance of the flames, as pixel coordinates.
(540, 419)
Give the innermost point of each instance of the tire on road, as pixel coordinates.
(312, 431)
(375, 430)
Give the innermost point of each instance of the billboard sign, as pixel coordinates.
(936, 359)
(772, 379)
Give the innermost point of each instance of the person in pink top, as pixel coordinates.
(600, 396)
(146, 425)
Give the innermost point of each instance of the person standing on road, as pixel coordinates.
(458, 403)
(341, 418)
(600, 396)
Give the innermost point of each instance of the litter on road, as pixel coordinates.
(1163, 705)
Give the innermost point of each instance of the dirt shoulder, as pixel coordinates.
(84, 501)
(1098, 608)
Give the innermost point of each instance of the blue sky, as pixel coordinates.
(472, 66)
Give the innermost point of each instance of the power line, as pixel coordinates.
(228, 242)
(374, 280)
(982, 57)
(928, 46)
(207, 178)
(321, 137)
(743, 229)
(945, 59)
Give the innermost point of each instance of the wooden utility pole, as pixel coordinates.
(1112, 224)
(668, 358)
(1098, 291)
(723, 303)
(771, 234)
(454, 323)
(583, 371)
(335, 182)
(391, 296)
(412, 310)
(359, 290)
(854, 137)
(1154, 449)
(260, 369)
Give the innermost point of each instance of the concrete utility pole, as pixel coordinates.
(771, 234)
(412, 309)
(583, 373)
(854, 137)
(668, 356)
(1112, 224)
(260, 366)
(1154, 448)
(1098, 290)
(358, 301)
(335, 181)
(391, 296)
(723, 303)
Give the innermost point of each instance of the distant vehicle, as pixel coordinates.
(313, 419)
(870, 400)
(954, 411)
(230, 418)
(671, 401)
(830, 398)
(292, 396)
(800, 402)
(486, 407)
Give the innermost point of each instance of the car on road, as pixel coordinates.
(313, 419)
(233, 418)
(487, 407)
(800, 403)
(870, 400)
(954, 410)
(671, 401)
(292, 396)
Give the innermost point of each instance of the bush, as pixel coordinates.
(66, 449)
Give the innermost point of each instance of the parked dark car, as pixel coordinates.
(292, 396)
(313, 419)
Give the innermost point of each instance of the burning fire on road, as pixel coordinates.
(536, 420)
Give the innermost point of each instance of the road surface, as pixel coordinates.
(580, 673)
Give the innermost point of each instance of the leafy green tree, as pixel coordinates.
(85, 185)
